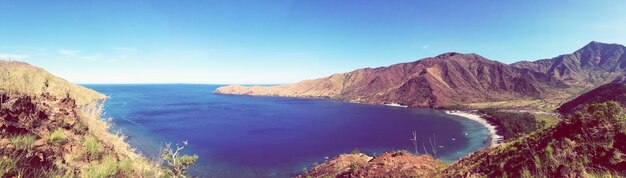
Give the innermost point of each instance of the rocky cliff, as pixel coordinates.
(391, 164)
(52, 128)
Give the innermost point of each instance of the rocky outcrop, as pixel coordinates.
(32, 120)
(391, 164)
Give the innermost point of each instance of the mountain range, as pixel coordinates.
(463, 80)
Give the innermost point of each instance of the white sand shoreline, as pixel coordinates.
(495, 139)
(396, 105)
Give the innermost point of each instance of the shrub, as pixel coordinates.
(355, 167)
(57, 137)
(79, 128)
(57, 174)
(512, 124)
(125, 166)
(355, 151)
(91, 147)
(549, 150)
(177, 164)
(7, 165)
(23, 142)
(106, 168)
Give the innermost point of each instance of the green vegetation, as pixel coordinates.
(354, 167)
(23, 142)
(105, 168)
(603, 174)
(20, 164)
(588, 143)
(548, 119)
(109, 167)
(57, 137)
(608, 92)
(79, 128)
(91, 147)
(540, 104)
(125, 166)
(176, 163)
(6, 166)
(513, 124)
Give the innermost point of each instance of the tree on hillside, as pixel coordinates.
(175, 162)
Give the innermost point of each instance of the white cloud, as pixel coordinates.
(425, 47)
(76, 54)
(126, 49)
(13, 56)
(91, 57)
(69, 53)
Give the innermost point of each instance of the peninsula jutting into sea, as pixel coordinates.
(242, 89)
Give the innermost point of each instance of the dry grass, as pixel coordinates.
(603, 174)
(19, 77)
(57, 137)
(22, 142)
(116, 144)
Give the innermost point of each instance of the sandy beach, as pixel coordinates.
(493, 135)
(395, 105)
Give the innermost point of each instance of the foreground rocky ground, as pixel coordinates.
(391, 164)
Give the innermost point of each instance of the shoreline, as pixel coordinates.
(396, 105)
(494, 138)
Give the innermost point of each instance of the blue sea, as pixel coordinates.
(251, 136)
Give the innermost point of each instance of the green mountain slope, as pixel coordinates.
(608, 92)
(587, 143)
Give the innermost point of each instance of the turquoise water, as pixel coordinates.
(247, 136)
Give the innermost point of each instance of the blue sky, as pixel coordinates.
(273, 41)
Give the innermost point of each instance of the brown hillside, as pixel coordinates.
(445, 80)
(467, 80)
